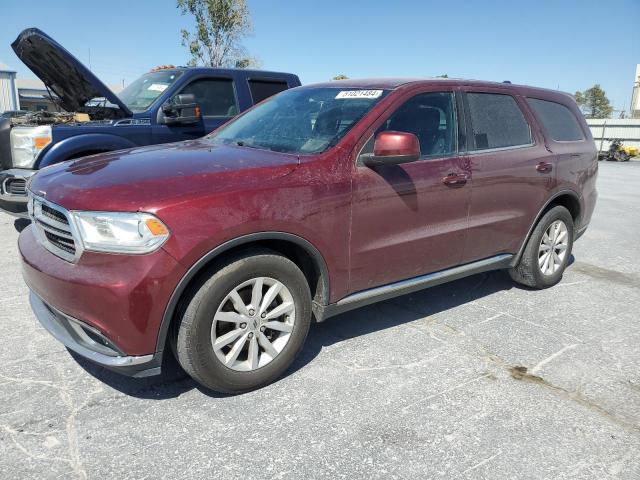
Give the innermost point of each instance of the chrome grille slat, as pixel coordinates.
(54, 214)
(54, 229)
(58, 227)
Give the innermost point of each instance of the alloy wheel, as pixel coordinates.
(553, 247)
(253, 324)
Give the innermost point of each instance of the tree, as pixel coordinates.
(340, 77)
(443, 76)
(594, 103)
(220, 27)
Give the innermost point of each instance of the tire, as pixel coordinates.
(529, 272)
(199, 331)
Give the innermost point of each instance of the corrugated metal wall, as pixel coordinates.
(8, 94)
(606, 129)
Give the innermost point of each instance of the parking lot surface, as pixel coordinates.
(479, 378)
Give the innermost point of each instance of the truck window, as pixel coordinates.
(557, 120)
(144, 91)
(496, 121)
(261, 89)
(216, 96)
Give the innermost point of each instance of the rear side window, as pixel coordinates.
(216, 96)
(557, 120)
(496, 121)
(261, 89)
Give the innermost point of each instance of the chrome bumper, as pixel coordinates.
(89, 343)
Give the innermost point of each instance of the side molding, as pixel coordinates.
(220, 249)
(385, 292)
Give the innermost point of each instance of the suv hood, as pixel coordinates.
(63, 74)
(154, 177)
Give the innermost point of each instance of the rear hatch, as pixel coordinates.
(64, 75)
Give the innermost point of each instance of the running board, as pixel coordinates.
(385, 292)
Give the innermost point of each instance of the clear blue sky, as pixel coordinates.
(549, 43)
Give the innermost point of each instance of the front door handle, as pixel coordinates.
(455, 180)
(544, 167)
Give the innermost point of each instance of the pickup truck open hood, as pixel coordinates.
(62, 73)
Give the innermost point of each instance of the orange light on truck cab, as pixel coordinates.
(156, 227)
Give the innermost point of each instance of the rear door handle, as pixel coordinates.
(544, 167)
(455, 180)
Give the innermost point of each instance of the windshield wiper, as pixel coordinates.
(242, 143)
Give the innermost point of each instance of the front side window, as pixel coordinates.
(299, 121)
(557, 120)
(496, 121)
(430, 117)
(215, 96)
(261, 89)
(143, 92)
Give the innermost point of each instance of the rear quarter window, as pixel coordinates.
(497, 121)
(557, 120)
(261, 89)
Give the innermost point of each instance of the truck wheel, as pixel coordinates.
(547, 252)
(245, 324)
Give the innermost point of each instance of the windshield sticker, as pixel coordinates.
(358, 94)
(157, 87)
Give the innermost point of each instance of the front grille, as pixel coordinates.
(61, 242)
(53, 228)
(15, 186)
(54, 214)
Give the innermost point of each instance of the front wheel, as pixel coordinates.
(548, 250)
(246, 323)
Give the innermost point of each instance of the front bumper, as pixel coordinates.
(90, 343)
(13, 191)
(117, 300)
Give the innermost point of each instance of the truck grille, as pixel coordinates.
(53, 228)
(15, 186)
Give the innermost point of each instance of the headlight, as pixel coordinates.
(27, 143)
(120, 232)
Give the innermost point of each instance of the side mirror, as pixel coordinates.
(393, 148)
(181, 110)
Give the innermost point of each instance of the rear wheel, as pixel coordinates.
(246, 323)
(548, 250)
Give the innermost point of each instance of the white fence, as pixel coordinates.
(606, 129)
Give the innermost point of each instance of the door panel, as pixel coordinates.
(407, 220)
(509, 186)
(218, 104)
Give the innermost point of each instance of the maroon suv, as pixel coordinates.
(319, 200)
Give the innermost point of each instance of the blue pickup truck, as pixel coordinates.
(168, 104)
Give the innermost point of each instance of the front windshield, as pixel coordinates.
(300, 121)
(143, 92)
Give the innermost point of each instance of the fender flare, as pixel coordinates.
(60, 151)
(220, 249)
(516, 258)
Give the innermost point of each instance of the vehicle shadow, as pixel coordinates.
(21, 223)
(174, 381)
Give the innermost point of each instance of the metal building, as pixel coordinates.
(606, 129)
(34, 96)
(635, 96)
(8, 92)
